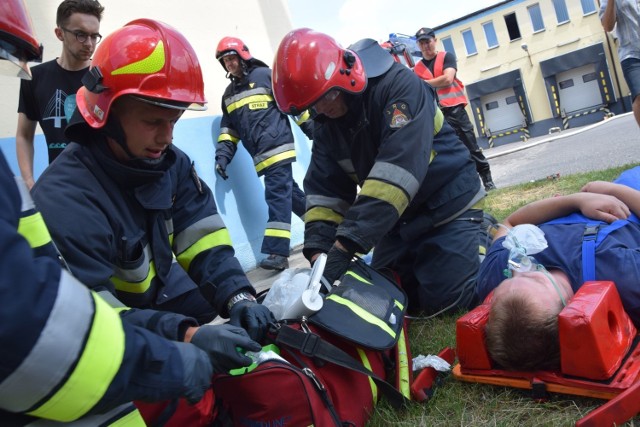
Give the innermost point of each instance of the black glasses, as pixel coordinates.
(83, 37)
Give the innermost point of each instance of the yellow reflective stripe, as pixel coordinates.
(275, 159)
(96, 368)
(227, 137)
(363, 314)
(303, 117)
(149, 65)
(34, 229)
(132, 419)
(482, 250)
(438, 121)
(217, 238)
(403, 366)
(367, 364)
(363, 280)
(248, 100)
(432, 156)
(272, 232)
(387, 193)
(136, 287)
(360, 278)
(322, 214)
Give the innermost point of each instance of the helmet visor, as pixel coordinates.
(171, 104)
(12, 66)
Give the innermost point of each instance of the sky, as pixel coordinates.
(351, 20)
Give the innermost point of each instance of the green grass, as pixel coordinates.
(464, 404)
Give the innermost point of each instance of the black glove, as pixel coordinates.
(253, 317)
(221, 167)
(338, 262)
(220, 342)
(198, 371)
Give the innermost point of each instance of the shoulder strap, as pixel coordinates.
(594, 234)
(312, 345)
(438, 66)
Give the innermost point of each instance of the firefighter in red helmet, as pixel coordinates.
(138, 223)
(71, 356)
(157, 240)
(386, 170)
(250, 115)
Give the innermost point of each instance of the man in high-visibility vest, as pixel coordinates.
(439, 70)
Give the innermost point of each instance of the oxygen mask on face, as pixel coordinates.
(523, 241)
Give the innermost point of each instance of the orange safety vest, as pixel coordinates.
(448, 96)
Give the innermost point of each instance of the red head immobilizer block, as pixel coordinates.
(595, 332)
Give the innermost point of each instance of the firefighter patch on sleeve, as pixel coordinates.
(398, 115)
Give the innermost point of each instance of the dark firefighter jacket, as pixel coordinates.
(250, 114)
(393, 144)
(147, 236)
(67, 355)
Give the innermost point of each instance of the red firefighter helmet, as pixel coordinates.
(145, 58)
(308, 64)
(18, 43)
(232, 46)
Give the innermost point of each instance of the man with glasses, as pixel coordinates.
(49, 98)
(591, 235)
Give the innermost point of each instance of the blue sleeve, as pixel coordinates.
(491, 272)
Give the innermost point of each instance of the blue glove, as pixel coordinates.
(221, 167)
(221, 343)
(197, 369)
(337, 264)
(253, 317)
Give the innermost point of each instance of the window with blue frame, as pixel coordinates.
(588, 7)
(562, 14)
(536, 17)
(469, 42)
(448, 45)
(490, 34)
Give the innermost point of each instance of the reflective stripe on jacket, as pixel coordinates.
(448, 96)
(250, 115)
(70, 355)
(148, 236)
(395, 145)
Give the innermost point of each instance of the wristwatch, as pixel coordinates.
(239, 297)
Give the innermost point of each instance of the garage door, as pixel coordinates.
(501, 110)
(578, 89)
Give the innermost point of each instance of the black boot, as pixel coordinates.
(487, 181)
(274, 262)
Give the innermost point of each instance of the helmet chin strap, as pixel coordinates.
(113, 129)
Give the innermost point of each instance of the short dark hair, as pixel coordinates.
(69, 7)
(519, 338)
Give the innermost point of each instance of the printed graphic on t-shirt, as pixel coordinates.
(56, 109)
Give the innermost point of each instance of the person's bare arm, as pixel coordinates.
(448, 74)
(609, 17)
(628, 195)
(24, 148)
(603, 207)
